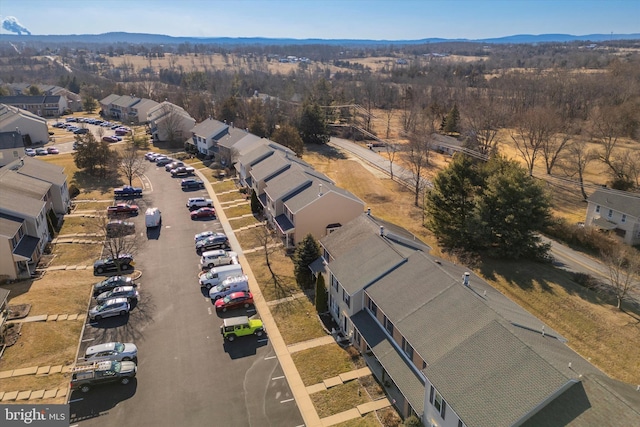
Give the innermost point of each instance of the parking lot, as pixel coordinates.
(187, 374)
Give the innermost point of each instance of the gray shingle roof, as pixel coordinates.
(255, 155)
(210, 128)
(109, 99)
(619, 201)
(24, 184)
(269, 166)
(493, 379)
(286, 183)
(9, 225)
(125, 101)
(242, 145)
(12, 201)
(43, 170)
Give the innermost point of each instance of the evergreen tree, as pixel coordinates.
(313, 125)
(89, 104)
(288, 136)
(451, 123)
(256, 207)
(321, 295)
(307, 251)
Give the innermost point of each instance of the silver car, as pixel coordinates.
(111, 351)
(111, 307)
(128, 292)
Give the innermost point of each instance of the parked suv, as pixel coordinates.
(218, 257)
(111, 283)
(199, 202)
(84, 377)
(241, 326)
(125, 262)
(112, 351)
(212, 242)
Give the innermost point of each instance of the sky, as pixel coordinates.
(325, 19)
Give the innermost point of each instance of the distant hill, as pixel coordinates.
(139, 38)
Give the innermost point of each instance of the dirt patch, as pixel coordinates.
(18, 311)
(10, 334)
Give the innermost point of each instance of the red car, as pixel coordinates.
(109, 139)
(235, 300)
(122, 209)
(203, 213)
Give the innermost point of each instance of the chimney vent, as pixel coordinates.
(369, 211)
(382, 231)
(319, 189)
(465, 279)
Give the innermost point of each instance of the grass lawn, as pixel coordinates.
(37, 382)
(41, 344)
(230, 197)
(57, 292)
(251, 238)
(79, 224)
(297, 321)
(76, 253)
(320, 363)
(236, 211)
(242, 222)
(226, 185)
(97, 206)
(339, 399)
(282, 266)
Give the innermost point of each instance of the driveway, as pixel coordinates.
(187, 374)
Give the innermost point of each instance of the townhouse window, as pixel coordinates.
(406, 347)
(624, 218)
(597, 208)
(373, 307)
(610, 213)
(388, 325)
(357, 338)
(438, 402)
(346, 298)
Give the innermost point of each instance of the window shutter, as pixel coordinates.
(431, 394)
(444, 408)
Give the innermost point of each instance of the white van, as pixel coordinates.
(217, 257)
(228, 286)
(152, 217)
(216, 275)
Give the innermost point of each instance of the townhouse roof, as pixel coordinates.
(304, 198)
(270, 166)
(44, 171)
(109, 99)
(125, 101)
(286, 183)
(620, 201)
(12, 201)
(145, 102)
(240, 140)
(255, 155)
(24, 184)
(210, 128)
(365, 263)
(26, 99)
(9, 225)
(11, 140)
(162, 110)
(10, 114)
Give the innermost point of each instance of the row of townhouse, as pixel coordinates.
(41, 105)
(72, 100)
(29, 190)
(17, 128)
(127, 109)
(451, 349)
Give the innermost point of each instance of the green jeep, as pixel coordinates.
(240, 326)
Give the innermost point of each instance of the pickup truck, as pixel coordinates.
(127, 191)
(182, 171)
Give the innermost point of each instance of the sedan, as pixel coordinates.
(111, 307)
(115, 351)
(41, 151)
(173, 165)
(81, 131)
(234, 300)
(30, 152)
(109, 139)
(53, 150)
(203, 213)
(128, 292)
(163, 161)
(205, 234)
(122, 209)
(191, 183)
(112, 283)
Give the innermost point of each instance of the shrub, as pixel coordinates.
(412, 421)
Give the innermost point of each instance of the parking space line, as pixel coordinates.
(76, 400)
(270, 357)
(209, 310)
(285, 401)
(277, 378)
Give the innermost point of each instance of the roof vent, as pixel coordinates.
(465, 279)
(382, 231)
(319, 190)
(369, 211)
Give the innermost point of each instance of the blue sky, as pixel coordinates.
(327, 19)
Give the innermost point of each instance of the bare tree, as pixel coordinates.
(268, 242)
(118, 241)
(553, 147)
(533, 129)
(391, 150)
(575, 162)
(418, 158)
(171, 123)
(131, 164)
(623, 265)
(484, 119)
(605, 130)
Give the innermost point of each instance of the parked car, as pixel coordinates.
(212, 242)
(119, 228)
(218, 257)
(241, 326)
(127, 191)
(109, 138)
(30, 152)
(122, 131)
(41, 151)
(112, 351)
(81, 131)
(112, 283)
(205, 234)
(152, 217)
(53, 150)
(128, 292)
(234, 300)
(122, 209)
(105, 265)
(170, 166)
(150, 155)
(163, 161)
(83, 378)
(109, 308)
(199, 202)
(203, 213)
(191, 183)
(183, 171)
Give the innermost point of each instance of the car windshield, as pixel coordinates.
(101, 307)
(119, 347)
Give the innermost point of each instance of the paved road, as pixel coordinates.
(187, 375)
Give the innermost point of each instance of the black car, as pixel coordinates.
(212, 242)
(191, 183)
(84, 377)
(110, 264)
(111, 283)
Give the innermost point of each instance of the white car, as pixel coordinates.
(199, 202)
(30, 152)
(218, 257)
(111, 307)
(205, 234)
(111, 351)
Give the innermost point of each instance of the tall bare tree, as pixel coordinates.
(606, 130)
(533, 129)
(391, 150)
(575, 161)
(131, 163)
(623, 266)
(116, 243)
(418, 158)
(483, 120)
